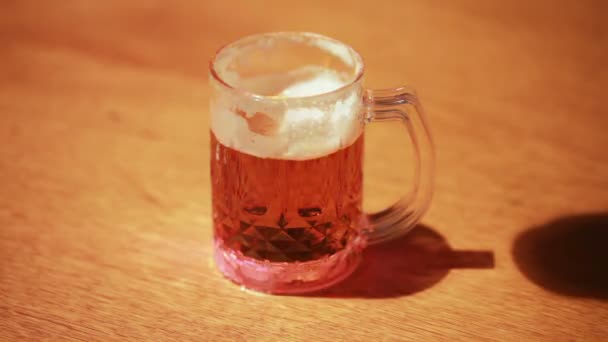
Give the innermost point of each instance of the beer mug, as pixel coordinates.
(288, 112)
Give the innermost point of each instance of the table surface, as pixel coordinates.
(105, 230)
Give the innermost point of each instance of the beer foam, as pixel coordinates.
(303, 129)
(323, 81)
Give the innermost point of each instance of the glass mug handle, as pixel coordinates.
(402, 104)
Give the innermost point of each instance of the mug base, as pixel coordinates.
(287, 277)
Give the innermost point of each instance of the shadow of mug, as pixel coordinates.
(568, 256)
(407, 265)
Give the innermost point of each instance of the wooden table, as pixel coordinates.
(105, 229)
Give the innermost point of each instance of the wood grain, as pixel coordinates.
(105, 209)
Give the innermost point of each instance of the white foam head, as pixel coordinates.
(311, 114)
(322, 81)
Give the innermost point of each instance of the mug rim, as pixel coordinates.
(359, 66)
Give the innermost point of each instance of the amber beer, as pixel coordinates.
(284, 210)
